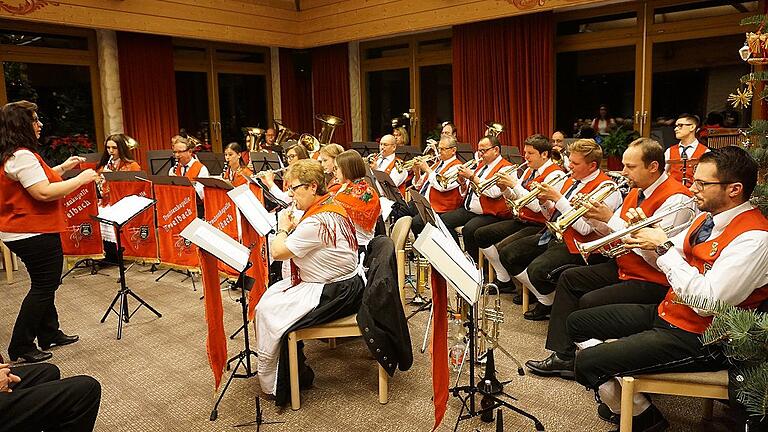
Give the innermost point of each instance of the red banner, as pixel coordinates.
(176, 208)
(216, 340)
(83, 236)
(221, 212)
(259, 271)
(139, 236)
(440, 374)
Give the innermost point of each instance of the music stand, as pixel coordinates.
(213, 161)
(365, 148)
(160, 161)
(465, 152)
(388, 187)
(127, 176)
(263, 161)
(428, 216)
(121, 213)
(235, 255)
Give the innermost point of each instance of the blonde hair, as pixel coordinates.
(332, 150)
(588, 148)
(178, 139)
(308, 171)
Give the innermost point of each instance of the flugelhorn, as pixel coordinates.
(565, 220)
(493, 128)
(612, 245)
(517, 205)
(452, 174)
(486, 184)
(408, 165)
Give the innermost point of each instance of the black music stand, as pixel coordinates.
(427, 214)
(388, 187)
(465, 152)
(263, 161)
(160, 161)
(213, 161)
(365, 148)
(124, 291)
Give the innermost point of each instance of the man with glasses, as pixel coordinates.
(483, 209)
(722, 256)
(684, 155)
(185, 164)
(630, 278)
(442, 199)
(386, 162)
(558, 145)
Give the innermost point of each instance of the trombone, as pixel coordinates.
(486, 184)
(453, 174)
(612, 245)
(565, 220)
(517, 205)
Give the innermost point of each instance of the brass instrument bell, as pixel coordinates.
(493, 128)
(330, 123)
(283, 133)
(253, 138)
(309, 142)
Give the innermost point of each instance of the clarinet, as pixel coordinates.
(225, 171)
(175, 165)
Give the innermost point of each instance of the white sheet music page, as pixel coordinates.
(125, 209)
(446, 257)
(218, 244)
(250, 206)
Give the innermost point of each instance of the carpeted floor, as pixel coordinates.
(157, 377)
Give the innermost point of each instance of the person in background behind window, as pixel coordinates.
(401, 136)
(603, 124)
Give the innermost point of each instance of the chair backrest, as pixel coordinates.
(400, 231)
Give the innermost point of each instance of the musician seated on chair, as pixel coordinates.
(483, 209)
(441, 199)
(629, 278)
(530, 259)
(541, 169)
(292, 155)
(722, 256)
(357, 197)
(689, 147)
(186, 164)
(386, 161)
(322, 249)
(328, 154)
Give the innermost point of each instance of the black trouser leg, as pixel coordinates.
(470, 229)
(516, 255)
(44, 258)
(628, 292)
(456, 218)
(556, 255)
(43, 402)
(645, 343)
(488, 235)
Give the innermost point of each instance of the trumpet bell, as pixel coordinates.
(493, 128)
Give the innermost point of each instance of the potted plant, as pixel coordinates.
(614, 145)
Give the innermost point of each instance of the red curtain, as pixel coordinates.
(295, 92)
(148, 87)
(502, 71)
(330, 85)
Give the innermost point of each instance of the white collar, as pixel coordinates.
(724, 218)
(541, 169)
(590, 177)
(647, 192)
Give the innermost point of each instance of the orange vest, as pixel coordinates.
(443, 202)
(676, 168)
(570, 235)
(702, 256)
(192, 172)
(632, 265)
(527, 214)
(21, 213)
(494, 206)
(389, 169)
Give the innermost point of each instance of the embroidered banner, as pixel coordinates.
(83, 236)
(176, 208)
(139, 236)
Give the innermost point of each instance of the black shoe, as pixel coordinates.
(505, 287)
(539, 312)
(606, 414)
(552, 366)
(33, 356)
(650, 420)
(60, 340)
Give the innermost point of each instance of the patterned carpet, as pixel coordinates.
(157, 377)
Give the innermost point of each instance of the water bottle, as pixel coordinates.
(456, 337)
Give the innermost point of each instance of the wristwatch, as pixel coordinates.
(663, 248)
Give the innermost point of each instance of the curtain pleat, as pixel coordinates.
(295, 94)
(330, 85)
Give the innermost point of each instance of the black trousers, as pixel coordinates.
(494, 233)
(515, 255)
(43, 401)
(590, 286)
(556, 256)
(646, 343)
(43, 256)
(417, 223)
(471, 222)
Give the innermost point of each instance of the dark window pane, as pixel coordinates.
(43, 40)
(192, 104)
(63, 96)
(702, 9)
(436, 100)
(189, 52)
(388, 93)
(240, 56)
(435, 45)
(387, 51)
(242, 103)
(599, 23)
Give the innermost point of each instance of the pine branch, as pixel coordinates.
(754, 77)
(758, 127)
(753, 391)
(753, 20)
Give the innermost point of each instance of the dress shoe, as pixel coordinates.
(650, 420)
(606, 414)
(552, 366)
(507, 287)
(539, 312)
(517, 298)
(60, 340)
(33, 356)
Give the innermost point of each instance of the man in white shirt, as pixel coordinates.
(386, 161)
(682, 157)
(186, 165)
(442, 199)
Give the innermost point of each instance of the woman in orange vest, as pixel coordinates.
(117, 156)
(328, 155)
(236, 168)
(31, 218)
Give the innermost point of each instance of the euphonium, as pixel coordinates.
(568, 218)
(253, 138)
(283, 133)
(493, 128)
(517, 205)
(453, 174)
(612, 245)
(309, 142)
(486, 184)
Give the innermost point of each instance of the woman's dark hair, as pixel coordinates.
(735, 165)
(123, 152)
(351, 165)
(300, 150)
(237, 148)
(16, 130)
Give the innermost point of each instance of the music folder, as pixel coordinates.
(250, 207)
(124, 210)
(170, 180)
(218, 244)
(214, 182)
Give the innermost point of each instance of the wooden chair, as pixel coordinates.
(709, 385)
(10, 262)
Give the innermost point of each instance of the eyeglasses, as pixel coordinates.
(482, 151)
(291, 156)
(293, 188)
(701, 184)
(679, 125)
(445, 148)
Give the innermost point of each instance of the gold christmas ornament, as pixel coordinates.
(741, 98)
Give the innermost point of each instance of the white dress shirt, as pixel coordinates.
(397, 177)
(432, 179)
(494, 192)
(691, 148)
(519, 190)
(583, 225)
(203, 173)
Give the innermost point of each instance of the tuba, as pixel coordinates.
(253, 138)
(283, 133)
(493, 128)
(330, 123)
(565, 220)
(309, 142)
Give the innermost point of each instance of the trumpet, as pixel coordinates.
(612, 245)
(517, 205)
(453, 174)
(372, 157)
(401, 166)
(565, 220)
(486, 184)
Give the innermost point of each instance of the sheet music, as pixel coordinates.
(386, 206)
(446, 257)
(250, 206)
(215, 242)
(125, 209)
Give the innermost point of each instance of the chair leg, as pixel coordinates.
(293, 367)
(8, 263)
(383, 386)
(708, 408)
(401, 275)
(627, 396)
(526, 298)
